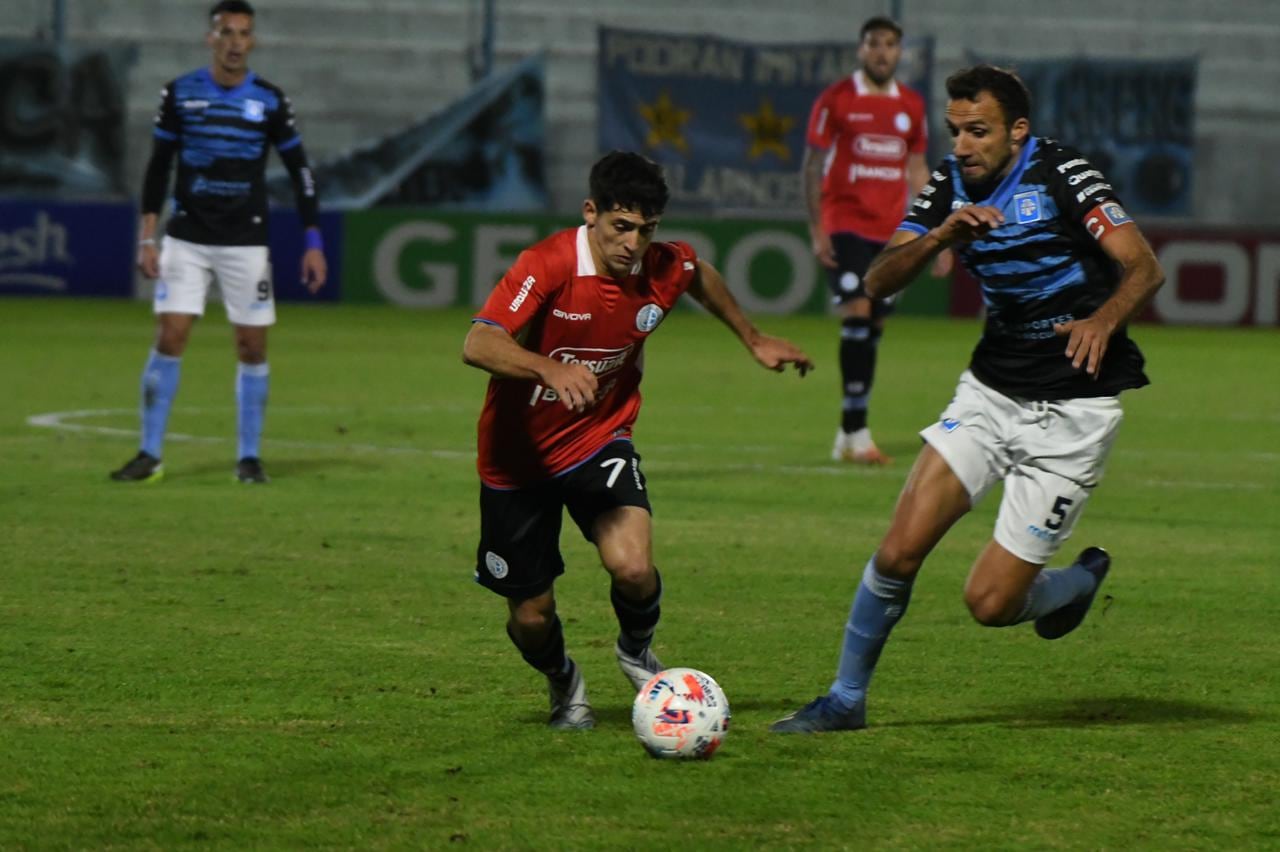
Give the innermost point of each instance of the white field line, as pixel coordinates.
(64, 421)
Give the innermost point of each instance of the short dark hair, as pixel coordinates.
(230, 7)
(629, 181)
(1004, 85)
(879, 22)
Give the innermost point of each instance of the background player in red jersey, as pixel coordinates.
(866, 147)
(562, 335)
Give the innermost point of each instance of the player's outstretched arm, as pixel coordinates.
(1141, 276)
(493, 350)
(774, 353)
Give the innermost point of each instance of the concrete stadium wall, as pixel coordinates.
(356, 71)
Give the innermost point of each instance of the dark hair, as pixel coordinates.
(879, 22)
(230, 7)
(630, 181)
(1004, 85)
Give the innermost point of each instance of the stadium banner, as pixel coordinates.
(1134, 119)
(56, 248)
(1214, 277)
(286, 235)
(727, 119)
(426, 259)
(62, 118)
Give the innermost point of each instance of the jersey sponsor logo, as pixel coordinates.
(902, 122)
(567, 315)
(254, 110)
(688, 266)
(938, 176)
(923, 203)
(1044, 535)
(195, 104)
(860, 116)
(1027, 207)
(523, 294)
(203, 186)
(598, 361)
(1090, 190)
(950, 424)
(496, 564)
(878, 146)
(929, 189)
(648, 317)
(862, 170)
(1076, 180)
(1072, 164)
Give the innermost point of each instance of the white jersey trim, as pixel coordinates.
(862, 87)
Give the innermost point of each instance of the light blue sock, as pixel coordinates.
(877, 606)
(159, 387)
(1054, 589)
(251, 398)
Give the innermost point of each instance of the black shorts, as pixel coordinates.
(853, 257)
(519, 552)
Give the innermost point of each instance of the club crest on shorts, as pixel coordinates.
(496, 564)
(649, 317)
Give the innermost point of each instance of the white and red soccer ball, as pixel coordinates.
(681, 713)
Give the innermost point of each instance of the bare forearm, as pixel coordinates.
(1138, 284)
(712, 293)
(147, 226)
(896, 267)
(493, 350)
(813, 188)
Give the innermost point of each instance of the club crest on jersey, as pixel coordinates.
(649, 317)
(1027, 207)
(1115, 213)
(254, 110)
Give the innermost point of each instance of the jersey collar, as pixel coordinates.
(587, 263)
(1001, 194)
(249, 78)
(862, 87)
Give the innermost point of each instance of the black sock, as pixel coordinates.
(549, 658)
(858, 339)
(637, 619)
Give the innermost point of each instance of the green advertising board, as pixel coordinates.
(423, 259)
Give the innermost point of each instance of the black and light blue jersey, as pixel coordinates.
(1041, 267)
(222, 137)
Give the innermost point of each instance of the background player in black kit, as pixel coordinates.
(1062, 269)
(219, 121)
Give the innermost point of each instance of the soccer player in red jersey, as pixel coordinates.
(562, 335)
(866, 151)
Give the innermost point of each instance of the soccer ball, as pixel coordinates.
(681, 713)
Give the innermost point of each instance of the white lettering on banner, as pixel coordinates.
(657, 55)
(44, 242)
(880, 147)
(796, 292)
(488, 262)
(439, 287)
(1230, 257)
(1268, 278)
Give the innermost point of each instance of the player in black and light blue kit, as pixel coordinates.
(1057, 258)
(220, 121)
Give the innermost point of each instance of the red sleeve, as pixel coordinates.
(920, 143)
(672, 264)
(821, 126)
(522, 291)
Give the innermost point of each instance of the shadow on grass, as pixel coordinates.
(1090, 712)
(283, 469)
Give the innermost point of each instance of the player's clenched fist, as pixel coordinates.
(573, 383)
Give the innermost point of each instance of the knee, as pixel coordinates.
(991, 607)
(532, 620)
(251, 351)
(634, 576)
(894, 560)
(171, 341)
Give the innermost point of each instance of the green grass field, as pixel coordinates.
(198, 664)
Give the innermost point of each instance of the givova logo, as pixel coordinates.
(26, 253)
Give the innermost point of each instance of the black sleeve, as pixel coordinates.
(304, 185)
(1077, 186)
(933, 204)
(156, 181)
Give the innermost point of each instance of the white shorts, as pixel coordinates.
(1049, 454)
(243, 274)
